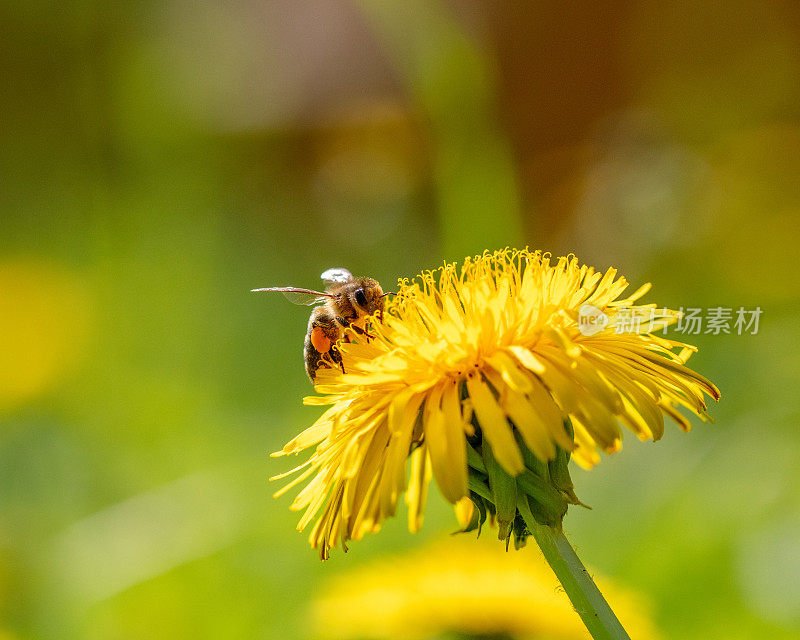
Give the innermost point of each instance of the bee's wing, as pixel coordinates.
(299, 296)
(337, 275)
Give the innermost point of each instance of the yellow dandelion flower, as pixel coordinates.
(464, 589)
(489, 377)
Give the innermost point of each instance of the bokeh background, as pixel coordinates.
(160, 159)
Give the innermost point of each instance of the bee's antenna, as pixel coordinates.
(389, 293)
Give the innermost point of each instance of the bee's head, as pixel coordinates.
(366, 296)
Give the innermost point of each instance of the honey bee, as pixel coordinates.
(346, 302)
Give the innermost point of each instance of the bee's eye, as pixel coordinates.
(361, 298)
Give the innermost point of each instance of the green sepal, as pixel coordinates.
(549, 504)
(533, 463)
(570, 432)
(521, 532)
(474, 524)
(474, 460)
(524, 508)
(504, 492)
(481, 505)
(478, 514)
(477, 484)
(559, 470)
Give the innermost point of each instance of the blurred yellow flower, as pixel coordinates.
(466, 588)
(494, 357)
(44, 322)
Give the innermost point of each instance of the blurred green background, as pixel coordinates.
(160, 159)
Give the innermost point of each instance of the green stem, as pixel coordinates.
(581, 589)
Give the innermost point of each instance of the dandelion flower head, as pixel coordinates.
(491, 352)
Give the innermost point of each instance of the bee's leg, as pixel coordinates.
(331, 359)
(337, 358)
(323, 332)
(362, 331)
(359, 330)
(348, 324)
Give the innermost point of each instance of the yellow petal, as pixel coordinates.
(446, 442)
(494, 425)
(527, 359)
(513, 376)
(464, 509)
(418, 487)
(535, 433)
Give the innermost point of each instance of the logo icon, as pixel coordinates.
(591, 320)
